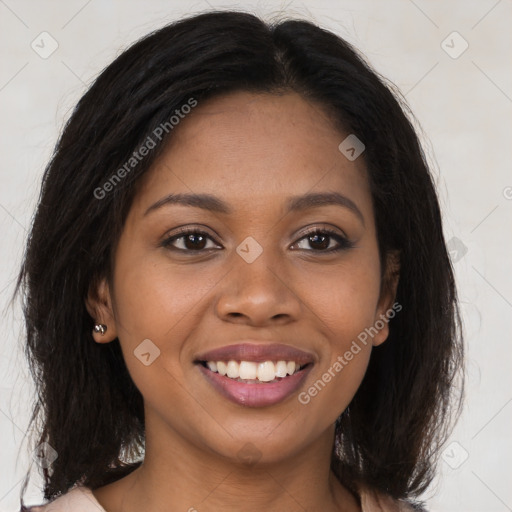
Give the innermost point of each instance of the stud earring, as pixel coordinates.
(100, 328)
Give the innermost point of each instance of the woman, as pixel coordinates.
(237, 290)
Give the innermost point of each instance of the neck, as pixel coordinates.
(179, 475)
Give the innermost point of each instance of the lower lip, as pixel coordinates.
(255, 394)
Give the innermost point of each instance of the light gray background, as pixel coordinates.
(463, 105)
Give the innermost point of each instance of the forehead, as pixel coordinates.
(246, 146)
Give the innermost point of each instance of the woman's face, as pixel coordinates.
(255, 275)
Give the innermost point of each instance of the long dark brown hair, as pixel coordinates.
(88, 407)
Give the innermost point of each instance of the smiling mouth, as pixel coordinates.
(250, 372)
(255, 374)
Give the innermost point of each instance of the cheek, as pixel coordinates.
(334, 386)
(156, 301)
(344, 320)
(344, 302)
(345, 299)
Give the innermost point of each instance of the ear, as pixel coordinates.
(386, 308)
(99, 306)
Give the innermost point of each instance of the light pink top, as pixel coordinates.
(81, 499)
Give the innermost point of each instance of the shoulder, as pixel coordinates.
(77, 499)
(374, 501)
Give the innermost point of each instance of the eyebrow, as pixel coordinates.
(296, 203)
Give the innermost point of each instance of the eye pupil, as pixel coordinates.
(191, 237)
(314, 240)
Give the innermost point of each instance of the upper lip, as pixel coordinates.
(257, 352)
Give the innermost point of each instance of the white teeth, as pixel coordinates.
(233, 370)
(265, 371)
(222, 367)
(248, 370)
(281, 367)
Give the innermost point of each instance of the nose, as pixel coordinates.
(259, 293)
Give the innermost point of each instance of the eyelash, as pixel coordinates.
(343, 243)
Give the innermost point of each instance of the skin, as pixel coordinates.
(253, 151)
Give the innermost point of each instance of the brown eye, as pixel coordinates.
(321, 240)
(194, 241)
(191, 240)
